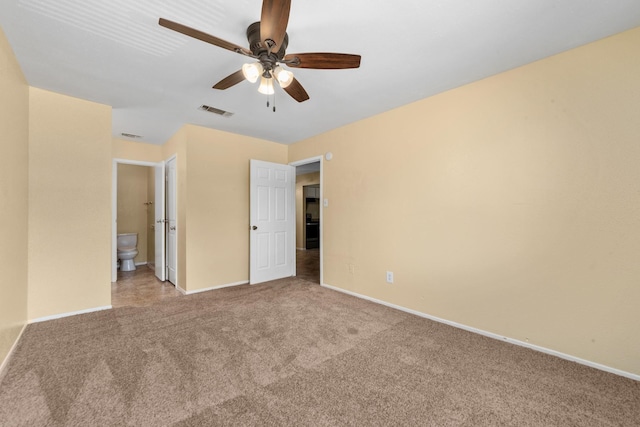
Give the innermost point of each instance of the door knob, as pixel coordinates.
(254, 227)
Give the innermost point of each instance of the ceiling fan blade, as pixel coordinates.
(273, 22)
(197, 34)
(323, 61)
(296, 91)
(230, 80)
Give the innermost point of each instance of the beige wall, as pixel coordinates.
(133, 193)
(138, 151)
(69, 204)
(217, 202)
(14, 128)
(510, 204)
(301, 181)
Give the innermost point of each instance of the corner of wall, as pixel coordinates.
(14, 184)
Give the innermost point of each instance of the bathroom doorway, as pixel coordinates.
(138, 206)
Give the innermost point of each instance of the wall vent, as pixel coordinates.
(215, 111)
(130, 135)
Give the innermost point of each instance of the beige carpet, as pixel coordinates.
(291, 353)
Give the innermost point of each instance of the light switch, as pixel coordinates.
(325, 203)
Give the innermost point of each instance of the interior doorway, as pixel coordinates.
(142, 212)
(309, 219)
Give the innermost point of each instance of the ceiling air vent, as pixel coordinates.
(130, 135)
(215, 111)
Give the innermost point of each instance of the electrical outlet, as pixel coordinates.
(389, 276)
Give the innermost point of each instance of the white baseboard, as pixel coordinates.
(141, 263)
(228, 285)
(5, 362)
(73, 313)
(492, 335)
(301, 249)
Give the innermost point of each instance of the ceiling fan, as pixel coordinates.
(268, 42)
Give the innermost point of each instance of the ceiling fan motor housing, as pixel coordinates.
(259, 50)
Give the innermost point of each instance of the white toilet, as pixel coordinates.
(127, 251)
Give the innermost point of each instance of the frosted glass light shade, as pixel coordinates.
(266, 86)
(284, 77)
(251, 72)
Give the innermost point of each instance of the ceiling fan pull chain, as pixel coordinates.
(274, 101)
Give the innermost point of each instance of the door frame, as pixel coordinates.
(322, 207)
(114, 208)
(173, 158)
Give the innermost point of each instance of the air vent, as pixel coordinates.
(215, 111)
(130, 135)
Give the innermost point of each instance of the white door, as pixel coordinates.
(273, 223)
(159, 230)
(114, 221)
(172, 223)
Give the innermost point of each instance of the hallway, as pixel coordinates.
(308, 265)
(141, 287)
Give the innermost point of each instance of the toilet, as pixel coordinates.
(127, 251)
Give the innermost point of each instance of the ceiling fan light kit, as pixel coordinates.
(266, 86)
(251, 72)
(268, 42)
(283, 76)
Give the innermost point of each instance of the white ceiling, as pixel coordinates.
(114, 52)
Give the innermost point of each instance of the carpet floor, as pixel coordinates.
(291, 353)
